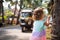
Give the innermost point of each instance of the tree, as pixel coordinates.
(32, 3)
(2, 10)
(13, 3)
(26, 3)
(37, 3)
(21, 4)
(50, 6)
(14, 11)
(56, 21)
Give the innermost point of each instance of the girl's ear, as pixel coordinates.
(33, 17)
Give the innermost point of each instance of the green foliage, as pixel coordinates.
(11, 2)
(5, 17)
(0, 17)
(30, 4)
(8, 0)
(44, 5)
(8, 13)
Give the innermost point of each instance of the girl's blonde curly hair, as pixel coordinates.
(37, 13)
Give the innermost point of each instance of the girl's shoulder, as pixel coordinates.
(39, 22)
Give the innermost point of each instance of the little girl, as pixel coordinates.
(39, 32)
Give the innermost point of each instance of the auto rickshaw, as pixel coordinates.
(26, 21)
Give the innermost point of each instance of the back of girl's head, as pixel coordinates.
(38, 12)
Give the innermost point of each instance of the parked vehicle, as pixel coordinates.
(26, 21)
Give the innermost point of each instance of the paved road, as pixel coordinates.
(13, 33)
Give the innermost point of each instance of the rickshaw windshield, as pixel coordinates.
(25, 14)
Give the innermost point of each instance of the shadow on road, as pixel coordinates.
(12, 27)
(3, 35)
(13, 33)
(7, 37)
(28, 31)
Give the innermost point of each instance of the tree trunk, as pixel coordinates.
(56, 21)
(18, 17)
(14, 11)
(2, 13)
(21, 3)
(50, 6)
(2, 10)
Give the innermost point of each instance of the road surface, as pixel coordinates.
(13, 33)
